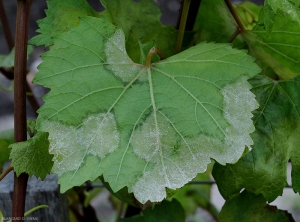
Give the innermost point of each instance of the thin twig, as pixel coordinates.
(6, 171)
(235, 16)
(234, 35)
(6, 28)
(8, 73)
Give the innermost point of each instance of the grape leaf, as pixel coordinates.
(146, 128)
(174, 209)
(61, 15)
(32, 156)
(276, 141)
(278, 48)
(140, 21)
(247, 205)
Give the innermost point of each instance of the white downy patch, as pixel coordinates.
(239, 102)
(117, 58)
(175, 160)
(174, 163)
(97, 135)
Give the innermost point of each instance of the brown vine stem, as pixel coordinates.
(20, 183)
(235, 16)
(6, 171)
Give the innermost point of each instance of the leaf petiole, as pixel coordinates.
(153, 51)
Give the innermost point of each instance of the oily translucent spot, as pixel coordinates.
(117, 59)
(96, 136)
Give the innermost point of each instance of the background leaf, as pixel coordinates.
(276, 141)
(32, 156)
(247, 205)
(215, 23)
(278, 47)
(272, 7)
(146, 128)
(164, 212)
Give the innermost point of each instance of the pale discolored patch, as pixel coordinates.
(117, 59)
(97, 136)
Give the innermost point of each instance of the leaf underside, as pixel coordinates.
(146, 128)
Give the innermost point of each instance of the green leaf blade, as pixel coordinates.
(32, 156)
